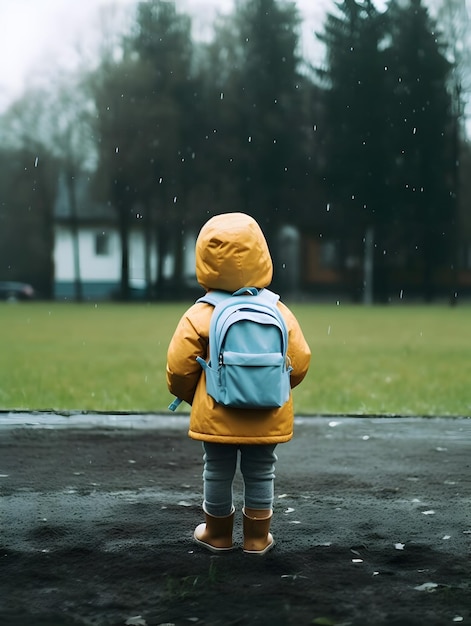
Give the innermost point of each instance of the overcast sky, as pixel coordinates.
(39, 36)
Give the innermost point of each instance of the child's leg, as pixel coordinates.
(257, 465)
(258, 469)
(215, 533)
(220, 461)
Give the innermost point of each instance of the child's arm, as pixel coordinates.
(183, 371)
(299, 352)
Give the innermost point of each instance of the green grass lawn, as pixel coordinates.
(408, 360)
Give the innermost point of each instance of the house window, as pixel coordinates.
(102, 244)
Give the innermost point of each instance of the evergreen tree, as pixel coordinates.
(419, 135)
(259, 126)
(356, 157)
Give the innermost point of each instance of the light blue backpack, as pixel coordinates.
(248, 342)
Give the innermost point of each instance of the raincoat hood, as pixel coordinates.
(232, 252)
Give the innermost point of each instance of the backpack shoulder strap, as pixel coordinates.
(214, 297)
(271, 296)
(217, 296)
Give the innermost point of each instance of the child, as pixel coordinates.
(231, 253)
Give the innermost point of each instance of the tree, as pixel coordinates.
(256, 129)
(354, 103)
(112, 89)
(27, 184)
(28, 181)
(162, 41)
(456, 26)
(143, 102)
(419, 134)
(71, 141)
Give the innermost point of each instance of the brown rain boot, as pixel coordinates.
(216, 533)
(256, 524)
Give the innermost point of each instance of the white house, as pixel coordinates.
(94, 256)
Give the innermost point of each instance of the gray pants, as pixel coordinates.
(257, 465)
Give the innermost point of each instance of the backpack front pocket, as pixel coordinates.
(253, 380)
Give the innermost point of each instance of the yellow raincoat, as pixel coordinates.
(231, 252)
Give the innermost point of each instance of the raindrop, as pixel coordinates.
(250, 139)
(222, 95)
(426, 587)
(36, 162)
(399, 546)
(175, 200)
(137, 620)
(357, 560)
(328, 206)
(401, 293)
(414, 131)
(430, 512)
(116, 150)
(328, 330)
(160, 180)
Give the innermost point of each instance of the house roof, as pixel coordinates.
(88, 209)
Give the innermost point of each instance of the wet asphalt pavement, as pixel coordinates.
(389, 496)
(433, 455)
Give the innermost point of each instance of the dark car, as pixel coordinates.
(13, 291)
